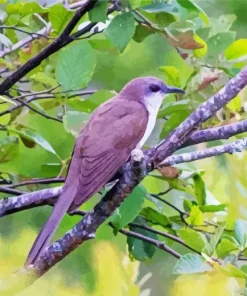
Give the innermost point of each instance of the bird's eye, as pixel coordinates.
(154, 87)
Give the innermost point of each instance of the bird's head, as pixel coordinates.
(149, 90)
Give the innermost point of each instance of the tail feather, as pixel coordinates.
(43, 239)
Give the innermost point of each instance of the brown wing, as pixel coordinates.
(104, 145)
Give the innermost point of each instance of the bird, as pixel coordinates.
(103, 146)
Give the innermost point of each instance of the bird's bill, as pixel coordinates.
(172, 89)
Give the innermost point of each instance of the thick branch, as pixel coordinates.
(206, 110)
(237, 146)
(217, 133)
(11, 205)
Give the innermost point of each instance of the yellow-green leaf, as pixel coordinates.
(235, 104)
(200, 51)
(196, 216)
(173, 75)
(236, 50)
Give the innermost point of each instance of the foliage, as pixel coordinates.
(188, 45)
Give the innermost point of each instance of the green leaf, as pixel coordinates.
(200, 52)
(161, 7)
(200, 190)
(135, 3)
(9, 148)
(181, 185)
(51, 169)
(192, 238)
(98, 13)
(240, 230)
(244, 268)
(139, 249)
(121, 30)
(173, 122)
(196, 217)
(91, 103)
(172, 74)
(235, 104)
(74, 121)
(191, 263)
(232, 271)
(142, 32)
(75, 65)
(5, 40)
(225, 247)
(164, 19)
(25, 8)
(190, 5)
(232, 72)
(59, 17)
(214, 239)
(236, 50)
(187, 205)
(155, 217)
(218, 43)
(180, 106)
(43, 78)
(130, 208)
(101, 44)
(221, 24)
(32, 136)
(213, 208)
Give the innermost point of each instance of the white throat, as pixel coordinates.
(152, 104)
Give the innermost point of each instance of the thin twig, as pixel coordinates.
(181, 213)
(4, 189)
(38, 181)
(33, 34)
(42, 96)
(156, 243)
(165, 234)
(38, 112)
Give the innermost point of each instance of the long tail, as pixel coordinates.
(42, 240)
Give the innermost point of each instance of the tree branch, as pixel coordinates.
(156, 243)
(23, 103)
(42, 96)
(11, 191)
(206, 110)
(165, 234)
(11, 205)
(37, 181)
(237, 146)
(61, 41)
(32, 34)
(217, 133)
(25, 41)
